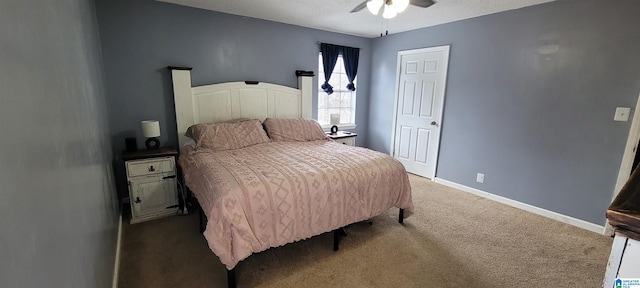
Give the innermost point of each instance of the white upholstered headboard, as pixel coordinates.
(232, 100)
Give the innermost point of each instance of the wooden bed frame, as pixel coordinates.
(232, 100)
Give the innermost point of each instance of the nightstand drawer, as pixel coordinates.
(351, 141)
(149, 167)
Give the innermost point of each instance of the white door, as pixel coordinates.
(422, 75)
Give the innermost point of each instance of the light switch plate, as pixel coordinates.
(622, 114)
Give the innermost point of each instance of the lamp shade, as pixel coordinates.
(401, 5)
(374, 6)
(335, 119)
(389, 11)
(150, 128)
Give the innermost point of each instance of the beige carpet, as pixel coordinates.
(455, 239)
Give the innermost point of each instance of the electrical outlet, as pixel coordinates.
(622, 114)
(480, 178)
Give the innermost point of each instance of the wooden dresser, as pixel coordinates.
(624, 215)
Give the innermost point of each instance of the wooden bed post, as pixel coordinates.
(181, 77)
(305, 84)
(401, 217)
(231, 278)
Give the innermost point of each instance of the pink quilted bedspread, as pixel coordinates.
(271, 194)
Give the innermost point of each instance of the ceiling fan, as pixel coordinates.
(391, 7)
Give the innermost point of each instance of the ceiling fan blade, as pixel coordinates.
(360, 7)
(422, 3)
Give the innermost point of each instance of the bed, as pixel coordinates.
(265, 174)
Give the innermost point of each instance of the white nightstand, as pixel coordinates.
(344, 137)
(151, 175)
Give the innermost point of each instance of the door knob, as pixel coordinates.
(138, 200)
(434, 123)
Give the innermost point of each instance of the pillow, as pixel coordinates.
(189, 132)
(228, 135)
(291, 130)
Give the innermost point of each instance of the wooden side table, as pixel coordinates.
(344, 137)
(151, 176)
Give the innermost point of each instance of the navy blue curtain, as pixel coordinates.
(329, 59)
(350, 57)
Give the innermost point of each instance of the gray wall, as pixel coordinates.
(59, 213)
(540, 127)
(140, 38)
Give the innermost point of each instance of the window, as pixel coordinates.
(341, 101)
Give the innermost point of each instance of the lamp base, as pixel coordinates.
(334, 130)
(152, 143)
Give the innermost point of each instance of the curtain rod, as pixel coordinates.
(318, 42)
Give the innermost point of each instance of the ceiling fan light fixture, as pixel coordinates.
(374, 6)
(400, 5)
(389, 11)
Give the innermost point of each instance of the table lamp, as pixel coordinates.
(335, 120)
(151, 130)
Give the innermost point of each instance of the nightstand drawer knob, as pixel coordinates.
(151, 169)
(138, 200)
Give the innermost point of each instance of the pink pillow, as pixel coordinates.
(291, 130)
(189, 132)
(228, 135)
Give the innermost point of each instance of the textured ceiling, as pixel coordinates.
(334, 15)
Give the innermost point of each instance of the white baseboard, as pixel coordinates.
(116, 265)
(526, 207)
